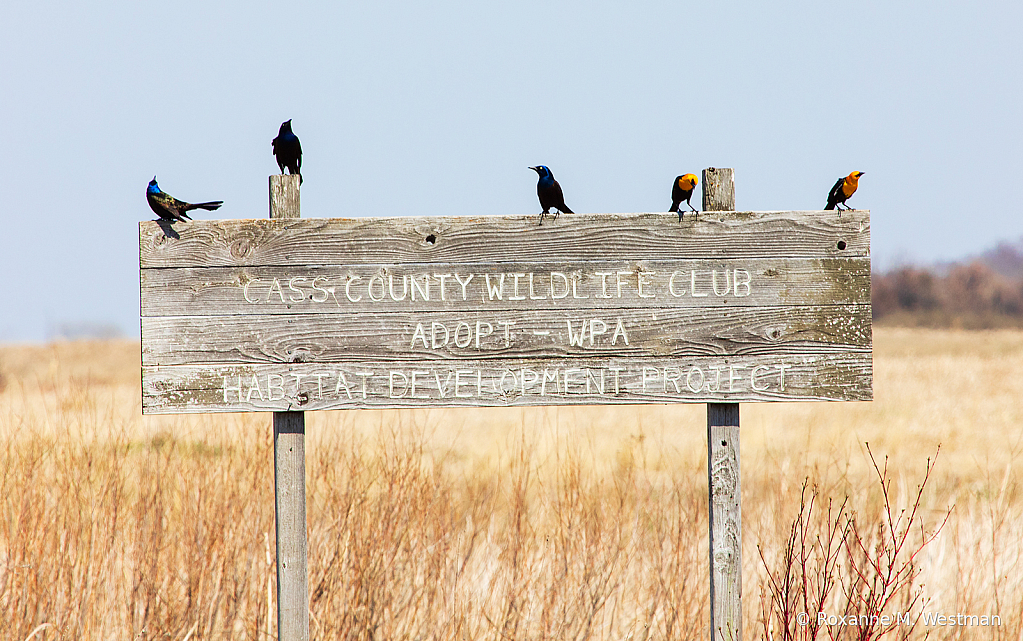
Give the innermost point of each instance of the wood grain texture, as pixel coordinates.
(718, 189)
(605, 285)
(723, 472)
(440, 336)
(290, 525)
(289, 476)
(365, 384)
(504, 239)
(724, 478)
(285, 196)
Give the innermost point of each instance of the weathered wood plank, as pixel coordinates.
(289, 476)
(179, 340)
(725, 484)
(723, 472)
(502, 239)
(607, 285)
(358, 384)
(718, 189)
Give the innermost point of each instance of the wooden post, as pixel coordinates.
(723, 472)
(289, 477)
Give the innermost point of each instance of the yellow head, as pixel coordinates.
(851, 182)
(687, 181)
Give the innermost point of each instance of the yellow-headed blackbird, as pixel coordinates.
(843, 189)
(682, 189)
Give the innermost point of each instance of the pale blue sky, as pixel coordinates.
(440, 107)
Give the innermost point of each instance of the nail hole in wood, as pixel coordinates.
(431, 239)
(841, 244)
(724, 443)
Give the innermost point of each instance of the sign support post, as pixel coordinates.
(289, 477)
(725, 503)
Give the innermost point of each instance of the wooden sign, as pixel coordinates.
(309, 314)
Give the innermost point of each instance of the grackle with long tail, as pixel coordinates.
(288, 150)
(170, 208)
(550, 194)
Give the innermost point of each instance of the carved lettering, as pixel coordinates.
(320, 289)
(532, 294)
(496, 290)
(442, 278)
(276, 285)
(296, 290)
(564, 280)
(433, 335)
(423, 289)
(464, 284)
(515, 287)
(404, 287)
(643, 279)
(392, 377)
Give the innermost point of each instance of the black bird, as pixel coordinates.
(170, 208)
(843, 191)
(288, 150)
(682, 189)
(549, 192)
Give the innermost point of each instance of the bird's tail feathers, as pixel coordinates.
(674, 207)
(566, 210)
(829, 207)
(213, 204)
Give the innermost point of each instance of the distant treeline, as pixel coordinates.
(984, 293)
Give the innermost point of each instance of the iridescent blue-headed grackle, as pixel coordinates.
(682, 189)
(170, 208)
(549, 192)
(288, 150)
(843, 190)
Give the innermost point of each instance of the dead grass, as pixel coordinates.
(566, 523)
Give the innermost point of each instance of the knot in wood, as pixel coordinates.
(724, 558)
(241, 248)
(723, 476)
(298, 355)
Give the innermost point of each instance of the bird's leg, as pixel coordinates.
(680, 216)
(691, 206)
(542, 214)
(557, 212)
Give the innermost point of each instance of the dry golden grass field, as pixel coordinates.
(543, 523)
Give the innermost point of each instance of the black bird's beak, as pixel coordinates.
(536, 169)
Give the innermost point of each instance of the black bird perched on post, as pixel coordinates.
(288, 150)
(549, 192)
(682, 189)
(170, 208)
(843, 190)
